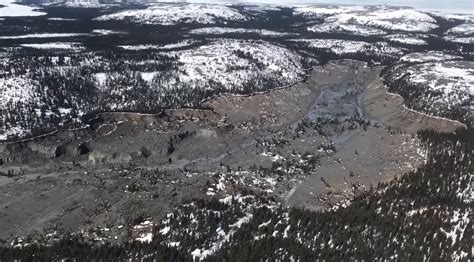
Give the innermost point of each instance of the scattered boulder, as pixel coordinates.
(83, 149)
(117, 158)
(206, 133)
(146, 152)
(60, 151)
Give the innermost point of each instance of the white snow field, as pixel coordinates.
(43, 35)
(446, 76)
(12, 9)
(180, 44)
(378, 17)
(107, 32)
(460, 40)
(222, 61)
(431, 56)
(172, 14)
(230, 63)
(228, 30)
(449, 85)
(406, 39)
(227, 64)
(325, 11)
(462, 29)
(340, 47)
(55, 45)
(335, 27)
(462, 33)
(15, 90)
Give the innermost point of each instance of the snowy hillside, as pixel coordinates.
(228, 30)
(178, 74)
(428, 57)
(119, 51)
(336, 27)
(234, 63)
(341, 47)
(462, 34)
(407, 39)
(172, 14)
(379, 17)
(463, 29)
(56, 45)
(436, 87)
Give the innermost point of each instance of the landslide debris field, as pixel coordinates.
(314, 145)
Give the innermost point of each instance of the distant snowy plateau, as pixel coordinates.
(61, 62)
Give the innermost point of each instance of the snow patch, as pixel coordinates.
(340, 47)
(107, 32)
(381, 17)
(11, 9)
(462, 29)
(334, 27)
(43, 35)
(228, 30)
(233, 63)
(61, 19)
(428, 57)
(57, 45)
(177, 45)
(406, 39)
(460, 40)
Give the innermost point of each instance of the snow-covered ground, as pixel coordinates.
(460, 40)
(445, 76)
(462, 29)
(441, 88)
(462, 33)
(14, 90)
(232, 63)
(324, 11)
(406, 39)
(172, 14)
(341, 47)
(428, 57)
(140, 47)
(143, 231)
(61, 19)
(229, 30)
(11, 9)
(44, 35)
(259, 9)
(181, 44)
(453, 16)
(228, 64)
(107, 32)
(334, 27)
(381, 17)
(82, 3)
(55, 45)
